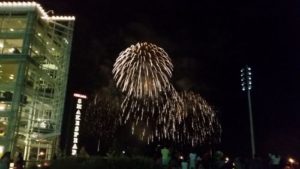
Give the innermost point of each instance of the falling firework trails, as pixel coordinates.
(185, 118)
(101, 117)
(143, 70)
(154, 118)
(152, 106)
(201, 123)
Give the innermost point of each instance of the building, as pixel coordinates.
(34, 63)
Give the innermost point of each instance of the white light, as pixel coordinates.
(74, 147)
(11, 165)
(34, 135)
(291, 160)
(181, 157)
(77, 122)
(50, 66)
(2, 108)
(53, 49)
(39, 34)
(39, 7)
(66, 41)
(243, 88)
(1, 150)
(1, 44)
(80, 95)
(60, 18)
(42, 153)
(249, 68)
(11, 29)
(123, 152)
(11, 77)
(226, 160)
(43, 124)
(39, 165)
(11, 50)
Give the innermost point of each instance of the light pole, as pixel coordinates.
(246, 82)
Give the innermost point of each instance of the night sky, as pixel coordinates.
(208, 42)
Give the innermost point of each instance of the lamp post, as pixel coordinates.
(246, 82)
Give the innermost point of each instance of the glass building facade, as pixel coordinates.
(34, 63)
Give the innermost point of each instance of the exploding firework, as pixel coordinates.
(142, 70)
(101, 117)
(151, 104)
(154, 118)
(201, 123)
(183, 118)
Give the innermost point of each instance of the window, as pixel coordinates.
(3, 125)
(11, 46)
(13, 24)
(8, 73)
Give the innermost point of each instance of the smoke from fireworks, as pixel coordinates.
(143, 70)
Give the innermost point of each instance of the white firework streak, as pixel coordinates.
(142, 70)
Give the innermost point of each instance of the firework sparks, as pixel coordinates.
(143, 70)
(201, 123)
(101, 117)
(185, 118)
(152, 106)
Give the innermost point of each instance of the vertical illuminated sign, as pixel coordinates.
(79, 101)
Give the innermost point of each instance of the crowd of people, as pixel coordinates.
(170, 159)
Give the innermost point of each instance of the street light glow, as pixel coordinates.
(246, 84)
(246, 78)
(291, 160)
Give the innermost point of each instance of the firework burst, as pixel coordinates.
(142, 70)
(154, 118)
(101, 117)
(152, 106)
(201, 123)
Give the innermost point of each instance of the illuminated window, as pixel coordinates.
(13, 24)
(8, 72)
(1, 150)
(4, 106)
(3, 125)
(11, 46)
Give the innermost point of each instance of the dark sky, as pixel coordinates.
(208, 41)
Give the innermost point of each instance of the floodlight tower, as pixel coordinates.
(246, 82)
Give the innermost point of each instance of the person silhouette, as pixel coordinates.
(19, 162)
(5, 160)
(165, 152)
